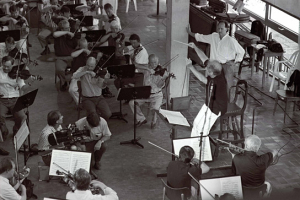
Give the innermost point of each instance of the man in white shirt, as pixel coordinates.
(223, 48)
(7, 171)
(83, 181)
(99, 133)
(11, 89)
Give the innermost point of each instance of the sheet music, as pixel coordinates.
(194, 143)
(69, 160)
(21, 135)
(174, 117)
(219, 186)
(200, 119)
(232, 185)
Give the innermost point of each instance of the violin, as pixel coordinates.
(121, 37)
(15, 53)
(20, 72)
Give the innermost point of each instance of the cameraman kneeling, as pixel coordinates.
(83, 181)
(99, 133)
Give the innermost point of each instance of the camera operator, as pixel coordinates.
(99, 133)
(7, 171)
(83, 181)
(54, 120)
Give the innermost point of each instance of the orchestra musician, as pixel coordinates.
(99, 134)
(8, 48)
(80, 57)
(83, 181)
(92, 85)
(177, 171)
(91, 9)
(157, 82)
(64, 44)
(11, 89)
(251, 166)
(7, 191)
(216, 86)
(223, 48)
(109, 17)
(48, 9)
(54, 122)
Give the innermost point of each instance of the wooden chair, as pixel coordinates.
(284, 75)
(174, 193)
(233, 111)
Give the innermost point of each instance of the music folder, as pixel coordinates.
(93, 36)
(16, 34)
(87, 20)
(69, 161)
(220, 186)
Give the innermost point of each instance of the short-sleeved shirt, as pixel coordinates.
(7, 90)
(64, 45)
(43, 143)
(251, 167)
(177, 174)
(96, 132)
(7, 192)
(109, 194)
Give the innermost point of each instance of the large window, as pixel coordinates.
(284, 19)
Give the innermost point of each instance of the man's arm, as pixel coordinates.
(109, 194)
(78, 52)
(200, 76)
(5, 18)
(58, 34)
(80, 72)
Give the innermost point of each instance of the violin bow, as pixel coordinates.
(200, 184)
(162, 149)
(105, 61)
(146, 44)
(128, 24)
(20, 47)
(170, 61)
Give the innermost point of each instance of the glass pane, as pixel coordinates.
(255, 6)
(284, 19)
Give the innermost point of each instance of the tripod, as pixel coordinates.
(121, 71)
(134, 93)
(24, 102)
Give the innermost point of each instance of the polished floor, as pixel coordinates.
(130, 170)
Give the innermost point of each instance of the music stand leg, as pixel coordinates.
(135, 139)
(119, 115)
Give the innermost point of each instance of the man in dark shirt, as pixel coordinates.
(177, 173)
(252, 167)
(216, 86)
(64, 45)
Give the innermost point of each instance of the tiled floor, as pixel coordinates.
(131, 171)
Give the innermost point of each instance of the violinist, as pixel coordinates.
(177, 171)
(64, 44)
(109, 17)
(8, 48)
(91, 9)
(65, 14)
(11, 90)
(83, 182)
(138, 53)
(7, 191)
(48, 10)
(156, 82)
(92, 85)
(252, 167)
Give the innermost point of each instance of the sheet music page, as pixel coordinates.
(210, 187)
(174, 117)
(21, 135)
(62, 158)
(80, 160)
(194, 143)
(232, 185)
(200, 120)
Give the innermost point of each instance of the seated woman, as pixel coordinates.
(54, 121)
(177, 172)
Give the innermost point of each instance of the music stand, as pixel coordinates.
(24, 102)
(16, 34)
(86, 20)
(107, 52)
(134, 93)
(121, 71)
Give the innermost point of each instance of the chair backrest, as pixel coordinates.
(293, 62)
(241, 88)
(258, 28)
(174, 193)
(254, 192)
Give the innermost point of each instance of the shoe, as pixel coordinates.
(3, 152)
(141, 123)
(153, 125)
(64, 87)
(97, 165)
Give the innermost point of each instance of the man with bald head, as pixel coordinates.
(92, 85)
(157, 82)
(215, 78)
(252, 167)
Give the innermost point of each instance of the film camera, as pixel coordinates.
(68, 136)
